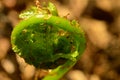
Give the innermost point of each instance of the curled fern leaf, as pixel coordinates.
(46, 40)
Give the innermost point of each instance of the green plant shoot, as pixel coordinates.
(48, 41)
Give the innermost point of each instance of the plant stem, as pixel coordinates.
(60, 71)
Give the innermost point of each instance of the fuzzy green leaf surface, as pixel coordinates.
(46, 40)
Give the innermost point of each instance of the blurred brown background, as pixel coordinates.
(100, 19)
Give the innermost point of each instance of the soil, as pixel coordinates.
(99, 19)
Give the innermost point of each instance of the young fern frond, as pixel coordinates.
(43, 39)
